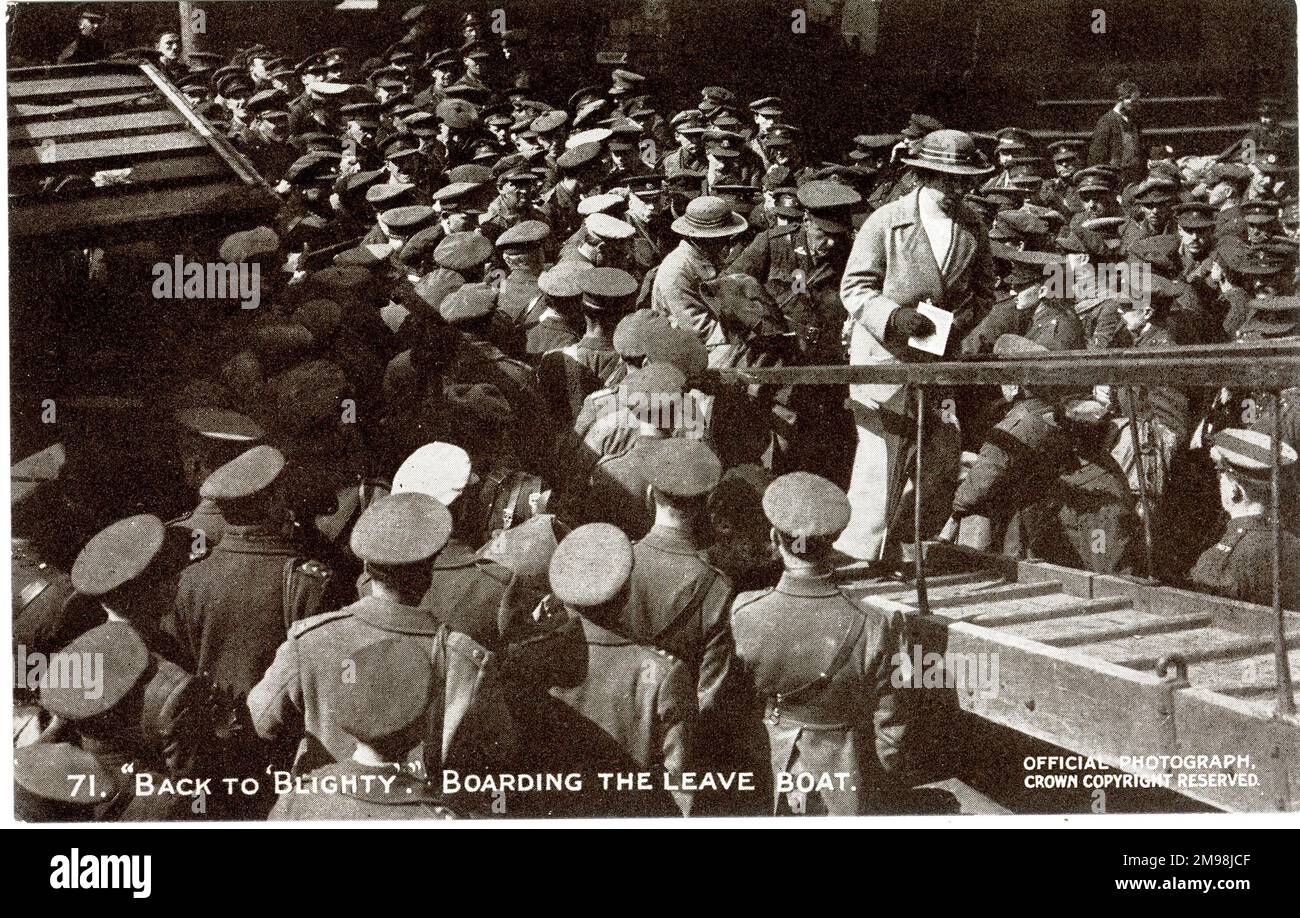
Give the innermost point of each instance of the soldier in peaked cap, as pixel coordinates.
(234, 607)
(88, 46)
(801, 270)
(767, 113)
(519, 300)
(514, 203)
(465, 590)
(567, 376)
(634, 336)
(1097, 194)
(651, 220)
(465, 253)
(125, 573)
(401, 223)
(840, 671)
(1058, 192)
(688, 128)
(148, 712)
(210, 437)
(1265, 136)
(397, 538)
(558, 324)
(577, 169)
(481, 361)
(677, 600)
(603, 472)
(45, 789)
(385, 708)
(1153, 201)
(1240, 566)
(604, 240)
(642, 695)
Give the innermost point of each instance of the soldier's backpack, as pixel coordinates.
(505, 499)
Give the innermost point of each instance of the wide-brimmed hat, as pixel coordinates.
(950, 151)
(709, 217)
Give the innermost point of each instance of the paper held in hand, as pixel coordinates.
(934, 343)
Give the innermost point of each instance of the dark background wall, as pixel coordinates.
(980, 64)
(976, 63)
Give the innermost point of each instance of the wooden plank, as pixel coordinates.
(946, 590)
(1234, 677)
(1039, 612)
(19, 112)
(108, 148)
(972, 579)
(1075, 582)
(72, 127)
(1196, 645)
(994, 595)
(79, 86)
(1205, 722)
(148, 174)
(1108, 626)
(1058, 695)
(227, 197)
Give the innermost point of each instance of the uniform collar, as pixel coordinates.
(596, 342)
(601, 636)
(394, 617)
(673, 540)
(811, 586)
(1247, 523)
(455, 554)
(254, 540)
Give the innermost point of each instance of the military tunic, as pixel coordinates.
(566, 377)
(825, 667)
(678, 601)
(1240, 566)
(234, 607)
(634, 712)
(290, 704)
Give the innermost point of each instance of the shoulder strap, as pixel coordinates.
(697, 599)
(437, 709)
(286, 593)
(837, 662)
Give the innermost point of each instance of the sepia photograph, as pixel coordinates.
(706, 412)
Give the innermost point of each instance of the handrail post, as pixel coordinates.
(1282, 659)
(1140, 467)
(922, 597)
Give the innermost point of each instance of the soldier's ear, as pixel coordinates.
(775, 538)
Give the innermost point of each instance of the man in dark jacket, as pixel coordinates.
(1117, 138)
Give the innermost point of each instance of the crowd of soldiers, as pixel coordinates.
(471, 501)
